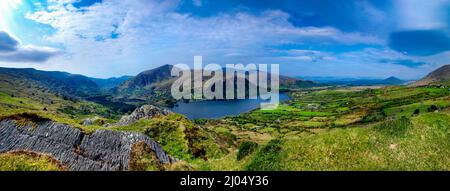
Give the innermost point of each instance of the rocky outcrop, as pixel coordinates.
(143, 112)
(95, 121)
(103, 150)
(90, 121)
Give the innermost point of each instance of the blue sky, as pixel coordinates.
(104, 38)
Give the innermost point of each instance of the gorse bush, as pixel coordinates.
(182, 139)
(432, 108)
(246, 148)
(143, 158)
(374, 116)
(171, 137)
(200, 121)
(396, 127)
(268, 158)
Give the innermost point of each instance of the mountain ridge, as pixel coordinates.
(438, 76)
(155, 84)
(109, 83)
(65, 83)
(393, 80)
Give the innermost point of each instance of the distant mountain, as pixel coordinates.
(109, 83)
(148, 86)
(154, 86)
(393, 81)
(287, 82)
(151, 86)
(41, 86)
(149, 77)
(438, 77)
(16, 79)
(325, 79)
(348, 81)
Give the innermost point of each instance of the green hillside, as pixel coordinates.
(392, 128)
(330, 128)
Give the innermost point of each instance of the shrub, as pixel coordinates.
(374, 116)
(246, 148)
(200, 121)
(396, 127)
(169, 135)
(142, 158)
(432, 108)
(267, 158)
(28, 116)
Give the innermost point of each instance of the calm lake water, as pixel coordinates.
(219, 108)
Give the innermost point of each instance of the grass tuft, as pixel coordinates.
(246, 148)
(28, 161)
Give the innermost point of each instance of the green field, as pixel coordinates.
(346, 129)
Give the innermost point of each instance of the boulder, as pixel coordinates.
(103, 150)
(143, 112)
(90, 121)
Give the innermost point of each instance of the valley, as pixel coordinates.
(320, 126)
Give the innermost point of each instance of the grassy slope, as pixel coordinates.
(424, 145)
(308, 138)
(50, 106)
(25, 161)
(180, 137)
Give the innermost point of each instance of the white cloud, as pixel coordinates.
(420, 14)
(150, 33)
(12, 51)
(197, 3)
(30, 54)
(368, 62)
(7, 9)
(309, 55)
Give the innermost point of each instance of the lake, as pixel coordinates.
(219, 108)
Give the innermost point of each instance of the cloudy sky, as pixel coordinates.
(105, 38)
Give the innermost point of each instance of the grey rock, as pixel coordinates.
(143, 112)
(90, 121)
(103, 150)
